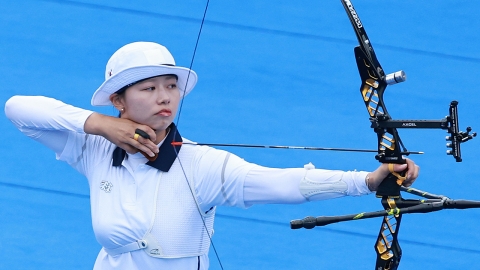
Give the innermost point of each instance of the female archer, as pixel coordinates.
(161, 189)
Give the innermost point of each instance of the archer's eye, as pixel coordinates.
(172, 86)
(149, 88)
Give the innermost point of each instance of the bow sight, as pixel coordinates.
(382, 124)
(392, 150)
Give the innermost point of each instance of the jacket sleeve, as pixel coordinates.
(298, 185)
(46, 120)
(226, 179)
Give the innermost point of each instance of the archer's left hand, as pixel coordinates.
(410, 168)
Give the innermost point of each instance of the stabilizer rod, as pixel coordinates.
(419, 206)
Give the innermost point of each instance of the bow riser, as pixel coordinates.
(372, 89)
(390, 147)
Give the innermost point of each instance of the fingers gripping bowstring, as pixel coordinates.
(177, 124)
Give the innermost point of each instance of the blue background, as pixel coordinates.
(270, 72)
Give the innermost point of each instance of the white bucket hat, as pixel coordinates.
(137, 61)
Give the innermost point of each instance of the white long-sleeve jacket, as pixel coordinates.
(123, 197)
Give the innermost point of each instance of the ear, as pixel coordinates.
(117, 101)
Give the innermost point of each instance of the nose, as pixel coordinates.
(162, 95)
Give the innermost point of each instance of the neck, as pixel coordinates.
(161, 134)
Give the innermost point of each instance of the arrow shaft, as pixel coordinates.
(286, 147)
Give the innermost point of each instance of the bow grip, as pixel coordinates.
(390, 186)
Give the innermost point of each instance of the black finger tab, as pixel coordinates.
(142, 133)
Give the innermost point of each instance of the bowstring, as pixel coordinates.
(175, 133)
(191, 63)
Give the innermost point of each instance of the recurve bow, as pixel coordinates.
(391, 150)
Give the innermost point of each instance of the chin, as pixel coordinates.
(160, 127)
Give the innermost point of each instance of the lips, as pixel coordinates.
(164, 112)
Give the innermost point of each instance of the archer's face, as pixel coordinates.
(153, 102)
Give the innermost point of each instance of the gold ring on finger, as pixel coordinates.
(135, 137)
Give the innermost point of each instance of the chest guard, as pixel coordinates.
(179, 227)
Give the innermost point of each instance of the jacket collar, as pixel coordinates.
(166, 155)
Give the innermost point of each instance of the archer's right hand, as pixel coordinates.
(121, 132)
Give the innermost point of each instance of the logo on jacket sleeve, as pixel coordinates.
(106, 186)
